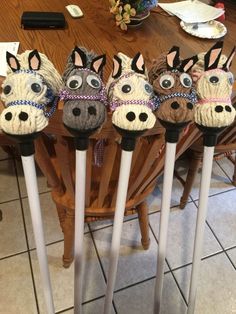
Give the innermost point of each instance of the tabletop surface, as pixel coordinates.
(97, 31)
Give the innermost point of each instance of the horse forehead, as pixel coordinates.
(135, 80)
(22, 77)
(215, 72)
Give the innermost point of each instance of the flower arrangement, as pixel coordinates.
(125, 10)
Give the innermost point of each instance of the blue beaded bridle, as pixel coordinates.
(192, 96)
(51, 98)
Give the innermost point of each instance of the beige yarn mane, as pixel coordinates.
(47, 70)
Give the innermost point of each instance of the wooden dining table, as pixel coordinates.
(97, 31)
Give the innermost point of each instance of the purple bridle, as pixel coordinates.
(51, 98)
(117, 103)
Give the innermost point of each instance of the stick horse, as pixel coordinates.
(31, 86)
(214, 111)
(176, 98)
(130, 99)
(84, 112)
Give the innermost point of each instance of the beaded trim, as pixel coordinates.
(101, 96)
(117, 103)
(47, 114)
(191, 96)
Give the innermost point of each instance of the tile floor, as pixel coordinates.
(20, 288)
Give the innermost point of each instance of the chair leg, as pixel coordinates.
(193, 168)
(142, 210)
(69, 227)
(234, 174)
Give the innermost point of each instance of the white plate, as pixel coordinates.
(212, 29)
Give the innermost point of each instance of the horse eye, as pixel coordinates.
(214, 79)
(7, 89)
(36, 87)
(126, 88)
(93, 81)
(148, 88)
(230, 78)
(74, 82)
(185, 80)
(167, 81)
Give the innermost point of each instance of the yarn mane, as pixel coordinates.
(47, 70)
(70, 64)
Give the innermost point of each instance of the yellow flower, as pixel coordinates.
(114, 6)
(129, 10)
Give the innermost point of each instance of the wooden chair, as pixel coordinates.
(226, 145)
(55, 156)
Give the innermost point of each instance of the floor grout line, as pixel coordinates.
(224, 171)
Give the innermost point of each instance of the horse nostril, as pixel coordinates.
(92, 111)
(174, 105)
(76, 112)
(227, 108)
(8, 116)
(219, 108)
(190, 105)
(143, 117)
(130, 116)
(23, 116)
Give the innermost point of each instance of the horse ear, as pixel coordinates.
(137, 64)
(117, 67)
(98, 63)
(12, 62)
(79, 58)
(228, 62)
(172, 58)
(34, 60)
(187, 64)
(212, 57)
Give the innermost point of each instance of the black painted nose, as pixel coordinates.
(174, 105)
(8, 116)
(227, 108)
(130, 116)
(23, 116)
(143, 117)
(190, 105)
(219, 108)
(76, 112)
(92, 111)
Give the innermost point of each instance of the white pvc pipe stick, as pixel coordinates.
(35, 210)
(164, 219)
(80, 180)
(125, 165)
(200, 225)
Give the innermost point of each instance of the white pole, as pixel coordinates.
(125, 165)
(164, 219)
(35, 210)
(80, 180)
(200, 225)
